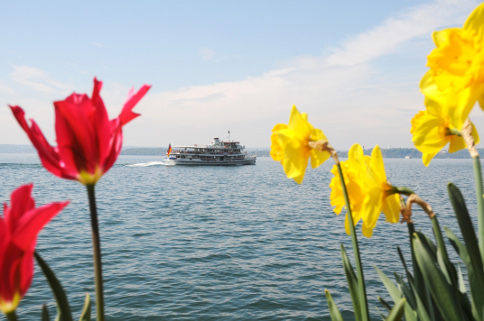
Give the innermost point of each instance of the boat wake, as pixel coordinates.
(146, 164)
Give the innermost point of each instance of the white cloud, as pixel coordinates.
(97, 44)
(206, 53)
(342, 93)
(6, 89)
(36, 79)
(387, 37)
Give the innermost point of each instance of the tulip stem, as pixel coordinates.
(12, 316)
(359, 268)
(96, 246)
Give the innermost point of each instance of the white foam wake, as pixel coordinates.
(157, 163)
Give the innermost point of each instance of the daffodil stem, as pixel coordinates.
(359, 269)
(12, 316)
(96, 246)
(480, 201)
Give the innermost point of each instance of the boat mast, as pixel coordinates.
(228, 136)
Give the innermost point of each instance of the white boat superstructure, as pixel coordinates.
(219, 153)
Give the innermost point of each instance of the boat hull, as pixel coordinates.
(197, 162)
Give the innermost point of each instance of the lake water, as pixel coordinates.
(218, 243)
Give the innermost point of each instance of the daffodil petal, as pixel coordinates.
(367, 230)
(442, 37)
(317, 157)
(299, 125)
(371, 207)
(474, 22)
(391, 208)
(430, 136)
(376, 164)
(295, 160)
(427, 157)
(456, 143)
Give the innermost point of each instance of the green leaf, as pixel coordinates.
(86, 310)
(442, 257)
(333, 309)
(63, 309)
(397, 311)
(385, 304)
(462, 285)
(420, 289)
(406, 291)
(441, 291)
(45, 313)
(391, 288)
(409, 275)
(352, 283)
(464, 255)
(420, 310)
(396, 295)
(472, 246)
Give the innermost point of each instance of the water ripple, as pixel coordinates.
(238, 243)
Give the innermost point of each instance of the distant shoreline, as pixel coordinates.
(260, 152)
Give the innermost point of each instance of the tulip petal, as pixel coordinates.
(33, 221)
(18, 234)
(21, 202)
(127, 114)
(75, 133)
(48, 155)
(115, 144)
(101, 124)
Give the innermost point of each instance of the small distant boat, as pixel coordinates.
(219, 153)
(408, 157)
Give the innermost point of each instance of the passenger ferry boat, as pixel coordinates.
(219, 153)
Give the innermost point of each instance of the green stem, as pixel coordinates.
(96, 247)
(480, 201)
(12, 316)
(359, 268)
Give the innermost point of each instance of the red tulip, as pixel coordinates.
(88, 142)
(19, 227)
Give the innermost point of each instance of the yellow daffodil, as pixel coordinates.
(379, 196)
(457, 64)
(368, 190)
(290, 145)
(352, 170)
(437, 126)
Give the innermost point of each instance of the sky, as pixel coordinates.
(216, 65)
